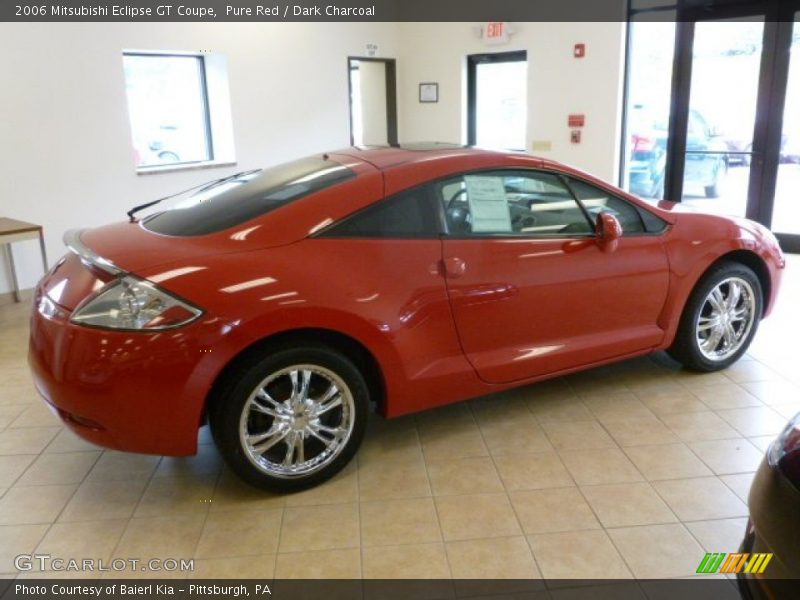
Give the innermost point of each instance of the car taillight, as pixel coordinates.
(784, 452)
(642, 143)
(130, 303)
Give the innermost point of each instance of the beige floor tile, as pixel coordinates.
(621, 405)
(762, 442)
(563, 509)
(66, 441)
(463, 476)
(627, 504)
(600, 466)
(90, 539)
(577, 555)
(459, 442)
(725, 396)
(726, 457)
(341, 489)
(51, 469)
(104, 500)
(394, 522)
(160, 537)
(759, 420)
(415, 561)
(401, 444)
(207, 461)
(673, 461)
(700, 499)
(568, 408)
(12, 466)
(240, 533)
(773, 392)
(232, 493)
(8, 413)
(694, 380)
(670, 403)
(343, 563)
(476, 516)
(452, 416)
(319, 528)
(179, 496)
(739, 484)
(36, 414)
(658, 551)
(745, 371)
(498, 558)
(518, 437)
(639, 431)
(532, 471)
(17, 540)
(699, 426)
(577, 435)
(34, 504)
(787, 411)
(122, 466)
(249, 567)
(720, 535)
(393, 479)
(27, 440)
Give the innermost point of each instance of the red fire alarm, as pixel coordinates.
(580, 50)
(576, 120)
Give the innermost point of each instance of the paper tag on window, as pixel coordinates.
(487, 204)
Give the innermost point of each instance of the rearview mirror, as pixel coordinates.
(608, 231)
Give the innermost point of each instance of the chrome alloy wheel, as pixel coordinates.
(726, 318)
(297, 421)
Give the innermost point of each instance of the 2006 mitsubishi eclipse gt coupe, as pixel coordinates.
(278, 304)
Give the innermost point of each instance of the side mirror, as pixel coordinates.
(608, 231)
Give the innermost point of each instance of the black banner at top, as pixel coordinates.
(312, 10)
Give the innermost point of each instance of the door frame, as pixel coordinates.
(473, 60)
(391, 96)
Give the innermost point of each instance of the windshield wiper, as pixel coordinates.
(200, 188)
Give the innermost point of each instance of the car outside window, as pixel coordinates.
(526, 203)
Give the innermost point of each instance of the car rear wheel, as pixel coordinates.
(292, 419)
(720, 319)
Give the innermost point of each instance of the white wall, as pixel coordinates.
(558, 84)
(65, 143)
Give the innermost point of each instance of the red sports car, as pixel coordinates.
(278, 304)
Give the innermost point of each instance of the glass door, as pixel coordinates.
(786, 208)
(725, 73)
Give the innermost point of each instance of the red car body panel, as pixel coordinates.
(444, 318)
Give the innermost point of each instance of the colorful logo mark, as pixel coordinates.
(741, 562)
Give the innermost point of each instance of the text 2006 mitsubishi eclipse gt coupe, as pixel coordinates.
(278, 303)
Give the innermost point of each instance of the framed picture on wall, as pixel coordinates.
(428, 92)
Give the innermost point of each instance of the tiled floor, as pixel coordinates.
(635, 469)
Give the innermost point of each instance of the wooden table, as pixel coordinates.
(12, 231)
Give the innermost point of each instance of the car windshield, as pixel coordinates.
(234, 201)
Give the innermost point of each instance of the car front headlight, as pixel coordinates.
(130, 303)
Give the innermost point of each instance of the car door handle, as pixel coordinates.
(454, 267)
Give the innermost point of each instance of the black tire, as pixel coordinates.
(686, 348)
(244, 380)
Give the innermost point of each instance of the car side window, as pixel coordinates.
(596, 200)
(408, 214)
(528, 203)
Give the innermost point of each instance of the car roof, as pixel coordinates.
(384, 157)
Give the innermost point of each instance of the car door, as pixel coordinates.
(531, 289)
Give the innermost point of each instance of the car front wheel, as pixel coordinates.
(292, 419)
(720, 318)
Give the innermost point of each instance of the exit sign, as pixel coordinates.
(496, 32)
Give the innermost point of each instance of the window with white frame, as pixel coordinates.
(178, 109)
